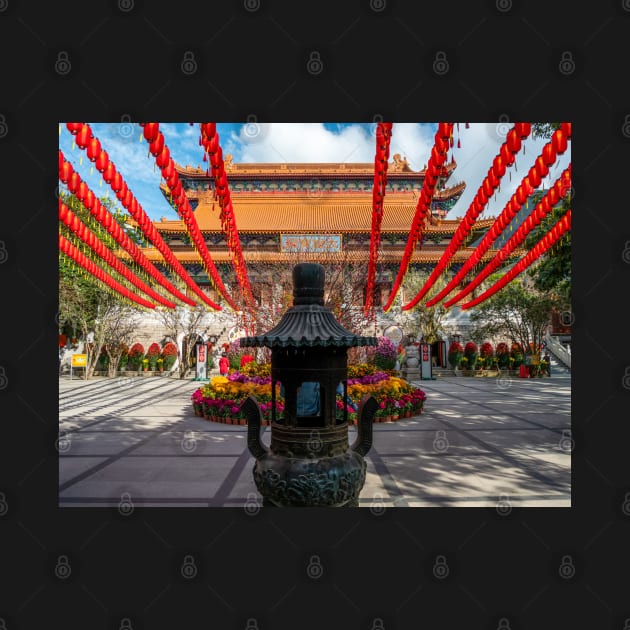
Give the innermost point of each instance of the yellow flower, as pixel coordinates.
(218, 380)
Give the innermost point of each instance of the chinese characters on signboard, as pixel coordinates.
(310, 243)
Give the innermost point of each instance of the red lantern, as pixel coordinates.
(482, 199)
(554, 197)
(487, 188)
(102, 161)
(88, 202)
(522, 129)
(506, 154)
(151, 131)
(208, 129)
(93, 149)
(513, 141)
(498, 166)
(566, 128)
(527, 187)
(534, 177)
(84, 136)
(65, 172)
(157, 145)
(73, 182)
(168, 170)
(122, 192)
(521, 195)
(493, 179)
(163, 158)
(109, 172)
(541, 167)
(74, 127)
(63, 211)
(117, 182)
(444, 130)
(436, 157)
(548, 154)
(559, 141)
(126, 201)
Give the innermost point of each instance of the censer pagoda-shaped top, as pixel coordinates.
(308, 322)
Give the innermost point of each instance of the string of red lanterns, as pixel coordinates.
(505, 158)
(381, 159)
(443, 140)
(83, 193)
(559, 190)
(554, 235)
(539, 170)
(79, 228)
(82, 260)
(163, 159)
(87, 141)
(214, 154)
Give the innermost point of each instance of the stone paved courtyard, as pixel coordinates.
(479, 441)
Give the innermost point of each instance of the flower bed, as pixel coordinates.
(220, 400)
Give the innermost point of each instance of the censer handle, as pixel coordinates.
(365, 415)
(254, 420)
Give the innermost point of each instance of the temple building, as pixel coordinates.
(320, 212)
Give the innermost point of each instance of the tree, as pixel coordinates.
(518, 313)
(186, 323)
(544, 130)
(553, 271)
(422, 321)
(120, 326)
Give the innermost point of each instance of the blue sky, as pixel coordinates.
(302, 142)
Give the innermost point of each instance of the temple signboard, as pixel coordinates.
(310, 243)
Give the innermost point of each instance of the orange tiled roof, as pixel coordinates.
(300, 213)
